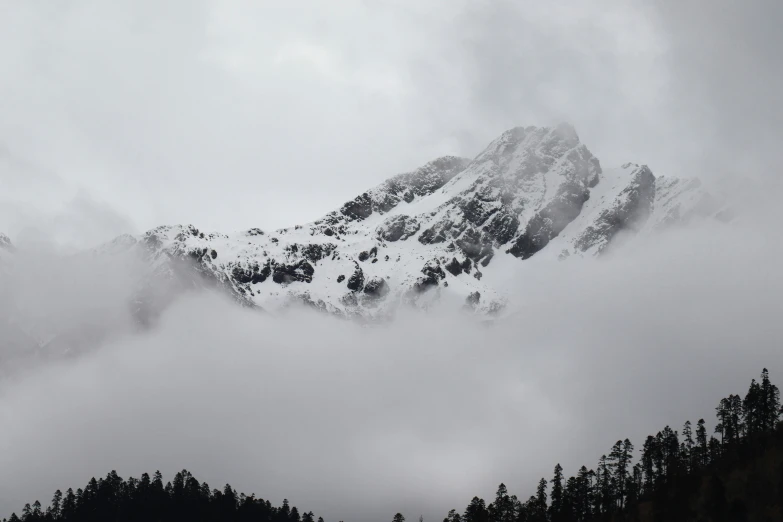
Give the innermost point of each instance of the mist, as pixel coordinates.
(417, 415)
(122, 116)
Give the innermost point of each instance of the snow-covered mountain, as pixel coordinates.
(433, 234)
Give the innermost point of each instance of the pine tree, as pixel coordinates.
(453, 516)
(541, 498)
(701, 442)
(69, 505)
(504, 508)
(604, 484)
(687, 452)
(557, 492)
(585, 493)
(752, 409)
(570, 509)
(770, 401)
(476, 511)
(735, 416)
(398, 518)
(648, 465)
(55, 508)
(722, 413)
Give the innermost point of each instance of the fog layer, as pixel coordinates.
(416, 416)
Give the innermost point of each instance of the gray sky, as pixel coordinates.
(120, 116)
(234, 114)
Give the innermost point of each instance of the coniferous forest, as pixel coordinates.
(732, 474)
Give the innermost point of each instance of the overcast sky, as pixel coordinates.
(232, 114)
(120, 116)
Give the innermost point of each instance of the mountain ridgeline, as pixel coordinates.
(431, 235)
(686, 476)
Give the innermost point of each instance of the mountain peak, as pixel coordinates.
(540, 142)
(431, 232)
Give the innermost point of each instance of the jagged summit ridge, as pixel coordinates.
(429, 235)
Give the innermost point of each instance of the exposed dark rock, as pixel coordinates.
(433, 273)
(197, 253)
(403, 187)
(241, 275)
(359, 208)
(467, 265)
(251, 274)
(356, 281)
(551, 220)
(340, 278)
(631, 210)
(213, 254)
(261, 275)
(474, 244)
(503, 227)
(477, 211)
(328, 232)
(454, 267)
(436, 233)
(398, 228)
(364, 256)
(473, 299)
(301, 271)
(376, 287)
(487, 259)
(313, 252)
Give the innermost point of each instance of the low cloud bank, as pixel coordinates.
(419, 415)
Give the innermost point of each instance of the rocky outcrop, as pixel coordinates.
(376, 287)
(285, 274)
(532, 189)
(547, 223)
(398, 228)
(356, 281)
(630, 211)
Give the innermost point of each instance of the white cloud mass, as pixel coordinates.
(120, 116)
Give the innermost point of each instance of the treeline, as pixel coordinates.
(667, 461)
(147, 499)
(617, 483)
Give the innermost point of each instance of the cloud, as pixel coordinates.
(39, 206)
(418, 415)
(218, 113)
(180, 113)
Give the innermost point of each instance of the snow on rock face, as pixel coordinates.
(431, 233)
(629, 210)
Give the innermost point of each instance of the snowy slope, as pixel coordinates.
(425, 236)
(431, 234)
